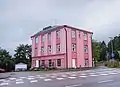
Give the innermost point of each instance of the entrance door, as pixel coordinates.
(37, 63)
(73, 63)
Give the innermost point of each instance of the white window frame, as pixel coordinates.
(43, 38)
(73, 33)
(36, 40)
(49, 36)
(73, 47)
(58, 47)
(85, 36)
(49, 49)
(86, 49)
(58, 34)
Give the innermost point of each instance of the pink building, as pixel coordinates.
(62, 47)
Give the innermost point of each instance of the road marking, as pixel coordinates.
(19, 82)
(71, 77)
(105, 81)
(104, 74)
(59, 78)
(18, 79)
(113, 73)
(6, 81)
(2, 79)
(30, 78)
(41, 77)
(53, 76)
(33, 81)
(83, 76)
(74, 85)
(64, 75)
(93, 75)
(22, 77)
(47, 79)
(2, 84)
(12, 78)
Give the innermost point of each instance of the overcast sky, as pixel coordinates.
(19, 19)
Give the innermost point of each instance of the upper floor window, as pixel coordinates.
(58, 47)
(36, 51)
(49, 49)
(73, 47)
(42, 49)
(43, 38)
(36, 40)
(86, 62)
(49, 36)
(86, 49)
(73, 34)
(58, 34)
(85, 36)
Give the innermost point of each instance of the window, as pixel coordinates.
(36, 40)
(58, 62)
(42, 49)
(85, 36)
(73, 47)
(36, 51)
(49, 49)
(73, 34)
(86, 49)
(86, 62)
(58, 34)
(50, 63)
(58, 47)
(49, 36)
(43, 62)
(43, 38)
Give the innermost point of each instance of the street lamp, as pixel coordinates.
(111, 38)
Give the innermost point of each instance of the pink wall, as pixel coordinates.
(53, 42)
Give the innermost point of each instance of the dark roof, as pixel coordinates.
(50, 28)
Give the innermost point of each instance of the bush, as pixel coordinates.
(113, 64)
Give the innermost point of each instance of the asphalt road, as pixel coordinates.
(91, 78)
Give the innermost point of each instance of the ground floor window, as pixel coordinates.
(86, 62)
(43, 62)
(58, 62)
(50, 63)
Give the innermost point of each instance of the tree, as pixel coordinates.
(103, 52)
(5, 60)
(23, 54)
(96, 50)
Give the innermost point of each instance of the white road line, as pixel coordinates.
(105, 81)
(30, 78)
(2, 79)
(64, 75)
(71, 77)
(22, 77)
(33, 81)
(104, 74)
(74, 85)
(83, 76)
(21, 82)
(53, 76)
(38, 75)
(2, 84)
(12, 78)
(93, 75)
(5, 81)
(59, 78)
(113, 73)
(47, 79)
(41, 77)
(18, 79)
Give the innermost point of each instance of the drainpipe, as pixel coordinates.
(66, 49)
